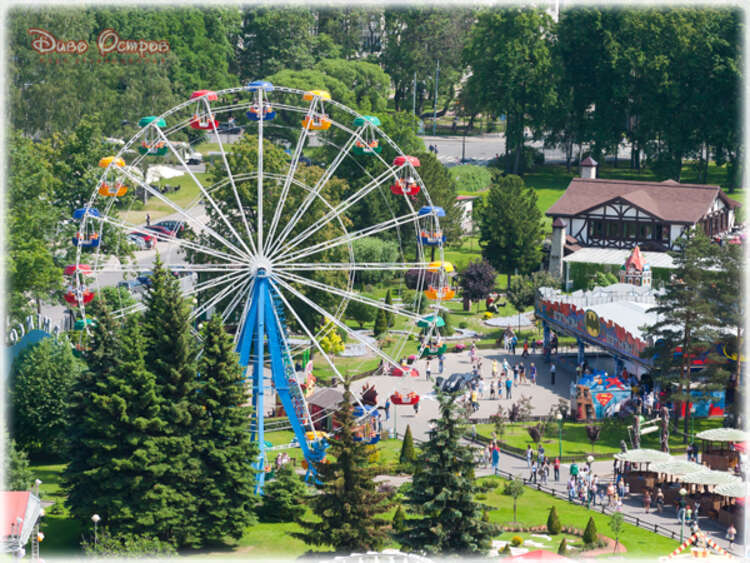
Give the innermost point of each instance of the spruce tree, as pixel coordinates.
(448, 519)
(562, 549)
(408, 455)
(381, 323)
(284, 497)
(687, 319)
(170, 355)
(18, 476)
(223, 494)
(116, 465)
(590, 535)
(398, 519)
(389, 315)
(348, 504)
(553, 522)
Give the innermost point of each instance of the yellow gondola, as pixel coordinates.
(317, 123)
(440, 294)
(316, 435)
(312, 94)
(118, 190)
(436, 266)
(107, 160)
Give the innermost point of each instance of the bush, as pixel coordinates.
(463, 324)
(127, 546)
(590, 535)
(480, 496)
(563, 548)
(516, 541)
(505, 550)
(487, 315)
(398, 519)
(471, 178)
(283, 497)
(553, 522)
(531, 157)
(408, 455)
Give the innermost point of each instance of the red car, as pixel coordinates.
(161, 233)
(149, 240)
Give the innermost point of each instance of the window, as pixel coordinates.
(646, 231)
(596, 229)
(613, 229)
(631, 228)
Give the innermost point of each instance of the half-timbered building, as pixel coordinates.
(620, 214)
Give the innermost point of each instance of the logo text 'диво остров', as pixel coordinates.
(107, 42)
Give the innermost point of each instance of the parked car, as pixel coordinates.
(193, 158)
(458, 382)
(150, 240)
(139, 242)
(130, 285)
(176, 228)
(161, 233)
(145, 276)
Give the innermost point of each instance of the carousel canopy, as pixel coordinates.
(643, 455)
(737, 490)
(723, 435)
(676, 467)
(710, 477)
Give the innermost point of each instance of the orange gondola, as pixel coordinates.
(440, 294)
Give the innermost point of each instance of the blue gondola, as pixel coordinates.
(427, 210)
(253, 113)
(90, 211)
(432, 239)
(369, 431)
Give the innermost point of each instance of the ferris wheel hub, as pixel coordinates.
(260, 266)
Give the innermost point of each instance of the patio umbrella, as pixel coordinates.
(676, 467)
(723, 435)
(430, 319)
(736, 490)
(643, 455)
(710, 477)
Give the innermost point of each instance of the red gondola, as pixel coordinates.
(202, 121)
(85, 269)
(76, 297)
(405, 186)
(401, 160)
(411, 398)
(400, 371)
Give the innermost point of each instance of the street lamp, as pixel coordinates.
(559, 418)
(590, 460)
(683, 492)
(95, 519)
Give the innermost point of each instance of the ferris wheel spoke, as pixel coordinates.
(338, 210)
(316, 190)
(231, 179)
(310, 335)
(348, 295)
(259, 193)
(216, 282)
(213, 300)
(183, 243)
(334, 320)
(134, 268)
(206, 195)
(350, 237)
(189, 218)
(245, 310)
(349, 266)
(290, 174)
(236, 299)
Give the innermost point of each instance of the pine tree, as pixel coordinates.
(398, 519)
(284, 497)
(18, 476)
(449, 520)
(687, 319)
(170, 355)
(590, 535)
(349, 504)
(448, 329)
(389, 315)
(116, 464)
(563, 547)
(381, 323)
(553, 522)
(224, 492)
(408, 455)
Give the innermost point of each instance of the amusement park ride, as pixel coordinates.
(258, 272)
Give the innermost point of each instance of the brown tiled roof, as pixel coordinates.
(678, 203)
(326, 398)
(571, 244)
(588, 161)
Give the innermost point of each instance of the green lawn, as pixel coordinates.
(575, 440)
(62, 534)
(186, 196)
(533, 508)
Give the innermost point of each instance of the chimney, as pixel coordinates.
(557, 248)
(588, 168)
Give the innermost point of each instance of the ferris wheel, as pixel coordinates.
(271, 239)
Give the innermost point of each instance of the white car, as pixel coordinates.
(139, 242)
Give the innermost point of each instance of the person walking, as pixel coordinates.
(557, 468)
(441, 361)
(659, 499)
(529, 455)
(681, 510)
(148, 219)
(474, 400)
(508, 387)
(513, 344)
(571, 489)
(552, 370)
(646, 500)
(388, 408)
(545, 471)
(416, 408)
(495, 459)
(593, 489)
(532, 371)
(515, 374)
(731, 533)
(525, 353)
(540, 453)
(534, 468)
(610, 494)
(492, 390)
(427, 370)
(574, 471)
(495, 368)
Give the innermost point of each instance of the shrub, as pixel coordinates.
(480, 496)
(471, 178)
(563, 548)
(516, 541)
(124, 545)
(398, 519)
(487, 315)
(505, 550)
(463, 324)
(553, 522)
(408, 455)
(590, 535)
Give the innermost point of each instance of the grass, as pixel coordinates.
(551, 545)
(62, 534)
(575, 440)
(187, 194)
(533, 508)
